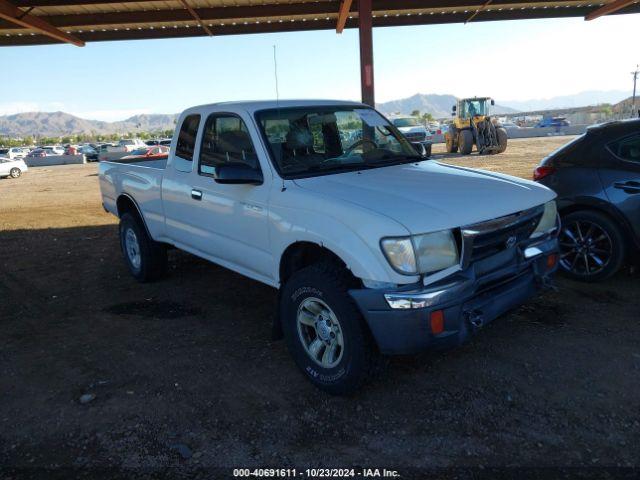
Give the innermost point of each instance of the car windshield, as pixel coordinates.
(140, 151)
(307, 141)
(406, 122)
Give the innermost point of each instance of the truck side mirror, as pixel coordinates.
(454, 108)
(238, 174)
(493, 102)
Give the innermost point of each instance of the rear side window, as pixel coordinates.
(187, 137)
(627, 148)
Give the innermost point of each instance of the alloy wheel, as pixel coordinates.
(320, 332)
(586, 248)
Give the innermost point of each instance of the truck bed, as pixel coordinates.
(139, 179)
(157, 164)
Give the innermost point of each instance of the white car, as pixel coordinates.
(12, 167)
(127, 145)
(14, 152)
(53, 150)
(374, 249)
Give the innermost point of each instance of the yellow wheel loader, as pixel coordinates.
(473, 125)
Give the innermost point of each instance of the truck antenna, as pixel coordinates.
(275, 73)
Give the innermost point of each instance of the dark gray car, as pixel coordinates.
(597, 179)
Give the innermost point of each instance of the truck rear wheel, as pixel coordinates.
(501, 133)
(324, 331)
(145, 258)
(465, 142)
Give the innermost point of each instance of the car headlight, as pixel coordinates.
(548, 222)
(426, 253)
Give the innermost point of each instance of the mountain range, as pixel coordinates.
(582, 99)
(437, 105)
(56, 124)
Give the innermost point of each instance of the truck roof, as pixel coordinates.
(253, 106)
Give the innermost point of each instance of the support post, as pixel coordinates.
(365, 20)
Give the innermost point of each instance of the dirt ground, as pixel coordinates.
(187, 380)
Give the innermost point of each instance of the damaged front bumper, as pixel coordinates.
(414, 318)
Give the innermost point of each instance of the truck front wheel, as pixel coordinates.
(465, 142)
(145, 258)
(324, 331)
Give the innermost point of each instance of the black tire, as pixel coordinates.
(152, 256)
(449, 139)
(465, 142)
(15, 172)
(359, 359)
(572, 263)
(501, 133)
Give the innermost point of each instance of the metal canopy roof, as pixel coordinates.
(32, 22)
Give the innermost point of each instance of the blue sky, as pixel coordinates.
(526, 59)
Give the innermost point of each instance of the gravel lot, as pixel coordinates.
(98, 371)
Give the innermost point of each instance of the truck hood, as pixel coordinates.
(430, 196)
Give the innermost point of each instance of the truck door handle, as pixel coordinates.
(196, 194)
(628, 187)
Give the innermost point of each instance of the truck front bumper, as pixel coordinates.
(414, 318)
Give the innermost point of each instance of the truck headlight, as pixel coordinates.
(548, 222)
(425, 253)
(399, 253)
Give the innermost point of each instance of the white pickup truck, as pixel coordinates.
(374, 250)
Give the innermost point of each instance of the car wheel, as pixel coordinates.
(15, 172)
(145, 258)
(592, 246)
(324, 331)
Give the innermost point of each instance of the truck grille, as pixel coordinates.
(416, 136)
(484, 239)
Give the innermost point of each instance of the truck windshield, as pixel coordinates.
(471, 108)
(307, 141)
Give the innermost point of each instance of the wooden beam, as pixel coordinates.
(485, 5)
(609, 8)
(13, 14)
(343, 14)
(196, 17)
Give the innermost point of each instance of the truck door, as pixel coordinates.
(620, 177)
(227, 224)
(176, 183)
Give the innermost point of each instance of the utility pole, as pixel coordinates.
(634, 112)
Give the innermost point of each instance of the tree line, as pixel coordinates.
(80, 138)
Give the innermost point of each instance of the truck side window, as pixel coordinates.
(187, 137)
(627, 148)
(225, 139)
